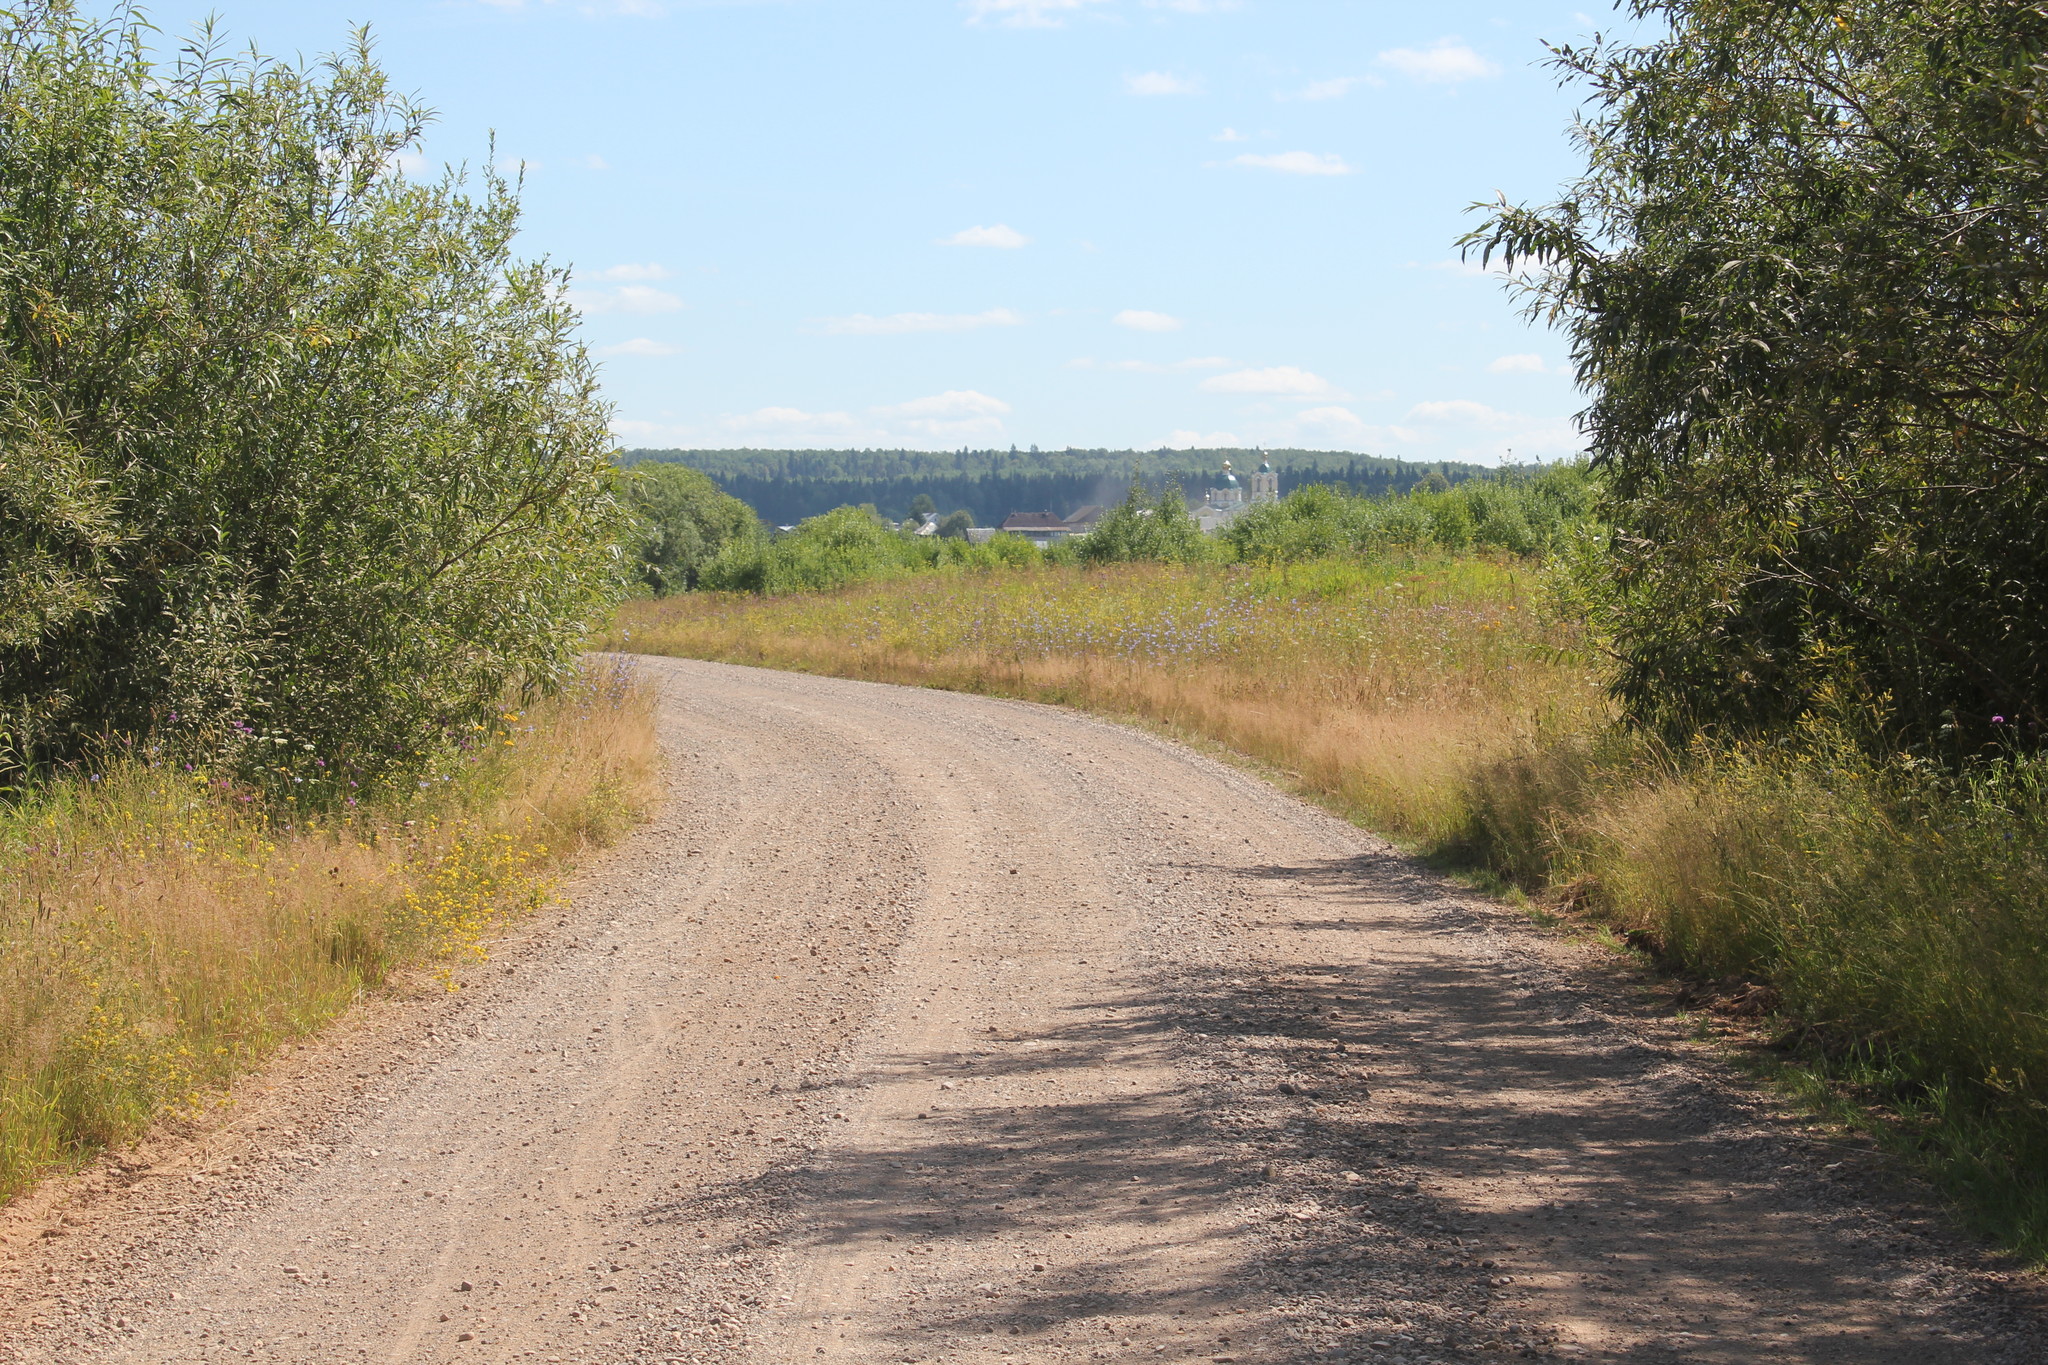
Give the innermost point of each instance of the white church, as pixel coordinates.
(1221, 506)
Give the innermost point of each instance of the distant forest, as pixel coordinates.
(786, 486)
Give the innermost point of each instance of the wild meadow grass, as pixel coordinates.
(1380, 684)
(162, 930)
(1886, 922)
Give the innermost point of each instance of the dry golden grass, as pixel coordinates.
(1380, 685)
(158, 935)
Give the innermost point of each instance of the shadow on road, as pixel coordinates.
(1440, 1152)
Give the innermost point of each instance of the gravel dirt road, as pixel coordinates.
(927, 1027)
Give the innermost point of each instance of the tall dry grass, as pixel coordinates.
(160, 930)
(1891, 919)
(1380, 684)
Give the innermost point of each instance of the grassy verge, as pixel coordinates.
(161, 931)
(1890, 922)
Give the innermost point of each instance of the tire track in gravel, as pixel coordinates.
(927, 1027)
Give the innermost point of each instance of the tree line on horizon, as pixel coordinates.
(787, 487)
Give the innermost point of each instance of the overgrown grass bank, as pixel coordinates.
(162, 930)
(1890, 919)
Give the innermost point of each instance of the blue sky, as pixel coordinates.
(1054, 222)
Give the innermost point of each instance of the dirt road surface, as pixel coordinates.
(927, 1027)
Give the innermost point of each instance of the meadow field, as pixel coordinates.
(1872, 929)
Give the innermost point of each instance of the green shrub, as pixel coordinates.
(1146, 529)
(685, 523)
(295, 457)
(1801, 278)
(1512, 512)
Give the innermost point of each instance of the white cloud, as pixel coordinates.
(792, 420)
(516, 166)
(1296, 163)
(640, 346)
(1282, 380)
(411, 165)
(1160, 83)
(627, 298)
(1444, 62)
(897, 324)
(1328, 90)
(1230, 135)
(1001, 235)
(951, 403)
(1461, 410)
(1518, 364)
(1139, 320)
(633, 431)
(1465, 429)
(1339, 422)
(953, 414)
(596, 163)
(1024, 13)
(630, 272)
(1194, 6)
(1202, 440)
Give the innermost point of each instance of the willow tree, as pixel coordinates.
(1805, 279)
(292, 448)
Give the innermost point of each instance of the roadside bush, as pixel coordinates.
(1146, 528)
(685, 523)
(1801, 278)
(296, 460)
(1513, 513)
(846, 546)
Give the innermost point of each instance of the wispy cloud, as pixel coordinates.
(898, 324)
(1341, 422)
(630, 272)
(1202, 440)
(1447, 61)
(1296, 163)
(1139, 320)
(951, 403)
(1474, 429)
(1518, 364)
(952, 414)
(1161, 83)
(1195, 6)
(1001, 235)
(780, 419)
(1025, 13)
(627, 298)
(1284, 381)
(640, 346)
(1230, 135)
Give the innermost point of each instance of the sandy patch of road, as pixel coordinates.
(925, 1027)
